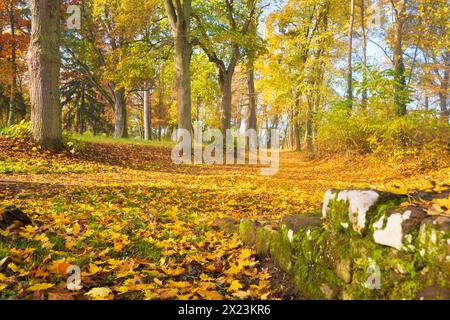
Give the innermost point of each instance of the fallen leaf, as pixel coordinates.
(41, 286)
(102, 293)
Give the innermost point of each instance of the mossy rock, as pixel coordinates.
(354, 210)
(281, 251)
(434, 242)
(298, 222)
(247, 232)
(263, 239)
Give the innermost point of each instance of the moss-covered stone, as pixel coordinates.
(263, 240)
(338, 261)
(281, 250)
(247, 232)
(434, 242)
(356, 210)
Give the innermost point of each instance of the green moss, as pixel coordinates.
(281, 251)
(247, 232)
(263, 240)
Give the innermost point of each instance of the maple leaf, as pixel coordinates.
(166, 294)
(41, 286)
(93, 269)
(235, 286)
(242, 294)
(101, 293)
(210, 295)
(59, 267)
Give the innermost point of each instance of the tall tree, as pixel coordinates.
(147, 115)
(44, 73)
(179, 15)
(364, 52)
(400, 16)
(233, 24)
(349, 55)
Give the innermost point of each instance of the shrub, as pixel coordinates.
(72, 144)
(20, 130)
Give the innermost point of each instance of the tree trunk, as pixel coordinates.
(44, 73)
(349, 58)
(399, 65)
(309, 131)
(296, 127)
(81, 120)
(147, 116)
(226, 79)
(183, 75)
(364, 53)
(443, 92)
(252, 121)
(13, 112)
(179, 16)
(120, 114)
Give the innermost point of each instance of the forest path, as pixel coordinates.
(144, 228)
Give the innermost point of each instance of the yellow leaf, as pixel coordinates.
(41, 286)
(104, 252)
(100, 293)
(210, 295)
(242, 294)
(166, 294)
(118, 246)
(76, 229)
(235, 286)
(70, 243)
(93, 269)
(3, 287)
(41, 237)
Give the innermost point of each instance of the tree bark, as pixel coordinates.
(364, 53)
(309, 132)
(443, 92)
(226, 79)
(44, 73)
(13, 112)
(120, 114)
(147, 116)
(252, 120)
(296, 126)
(349, 57)
(399, 64)
(179, 15)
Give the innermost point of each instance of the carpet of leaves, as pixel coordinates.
(140, 227)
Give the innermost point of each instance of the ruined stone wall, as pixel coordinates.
(365, 244)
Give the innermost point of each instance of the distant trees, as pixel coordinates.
(14, 40)
(146, 68)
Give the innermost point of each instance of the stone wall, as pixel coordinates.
(365, 244)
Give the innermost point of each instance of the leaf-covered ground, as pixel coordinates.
(140, 227)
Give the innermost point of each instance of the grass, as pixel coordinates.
(134, 141)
